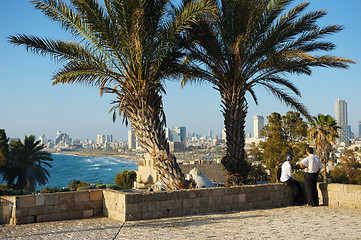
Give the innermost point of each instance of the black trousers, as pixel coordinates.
(311, 188)
(296, 191)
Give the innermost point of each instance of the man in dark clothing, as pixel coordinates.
(312, 167)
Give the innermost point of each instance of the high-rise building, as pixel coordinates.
(342, 119)
(359, 129)
(177, 134)
(131, 140)
(258, 124)
(210, 134)
(224, 133)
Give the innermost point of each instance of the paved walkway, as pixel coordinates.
(280, 223)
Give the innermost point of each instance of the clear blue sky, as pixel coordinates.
(29, 104)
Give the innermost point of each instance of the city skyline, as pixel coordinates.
(31, 105)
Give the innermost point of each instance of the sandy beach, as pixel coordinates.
(131, 157)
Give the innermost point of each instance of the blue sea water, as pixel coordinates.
(67, 167)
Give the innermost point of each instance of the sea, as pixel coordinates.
(66, 167)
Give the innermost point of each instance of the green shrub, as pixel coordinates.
(53, 190)
(101, 186)
(85, 188)
(125, 179)
(114, 187)
(75, 184)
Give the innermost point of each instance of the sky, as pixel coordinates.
(29, 104)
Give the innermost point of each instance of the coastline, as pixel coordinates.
(130, 157)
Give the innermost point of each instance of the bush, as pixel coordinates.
(114, 187)
(85, 188)
(75, 184)
(53, 190)
(100, 186)
(125, 179)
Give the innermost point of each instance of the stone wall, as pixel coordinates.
(51, 207)
(127, 206)
(149, 205)
(346, 196)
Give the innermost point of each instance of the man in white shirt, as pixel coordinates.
(287, 177)
(312, 167)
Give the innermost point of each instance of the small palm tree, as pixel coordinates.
(324, 132)
(255, 43)
(126, 47)
(25, 166)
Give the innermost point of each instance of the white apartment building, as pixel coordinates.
(341, 118)
(258, 124)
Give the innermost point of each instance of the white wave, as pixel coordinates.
(96, 165)
(96, 168)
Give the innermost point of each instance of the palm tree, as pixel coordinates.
(255, 43)
(126, 47)
(25, 166)
(324, 132)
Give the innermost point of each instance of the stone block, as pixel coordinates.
(36, 210)
(188, 203)
(178, 204)
(142, 207)
(73, 215)
(159, 196)
(197, 203)
(82, 196)
(154, 206)
(52, 199)
(242, 198)
(24, 220)
(48, 209)
(64, 207)
(26, 201)
(22, 212)
(350, 188)
(39, 200)
(134, 216)
(49, 217)
(131, 208)
(157, 214)
(164, 205)
(135, 198)
(217, 192)
(98, 204)
(98, 211)
(96, 195)
(88, 213)
(67, 197)
(335, 187)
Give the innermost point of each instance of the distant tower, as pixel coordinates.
(210, 134)
(131, 140)
(258, 124)
(178, 134)
(224, 133)
(42, 139)
(359, 129)
(342, 119)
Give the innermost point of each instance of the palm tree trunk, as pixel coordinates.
(235, 112)
(149, 129)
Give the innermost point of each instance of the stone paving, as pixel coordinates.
(279, 223)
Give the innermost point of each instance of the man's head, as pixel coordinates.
(289, 157)
(309, 150)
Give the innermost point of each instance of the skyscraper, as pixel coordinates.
(342, 119)
(359, 129)
(258, 124)
(131, 140)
